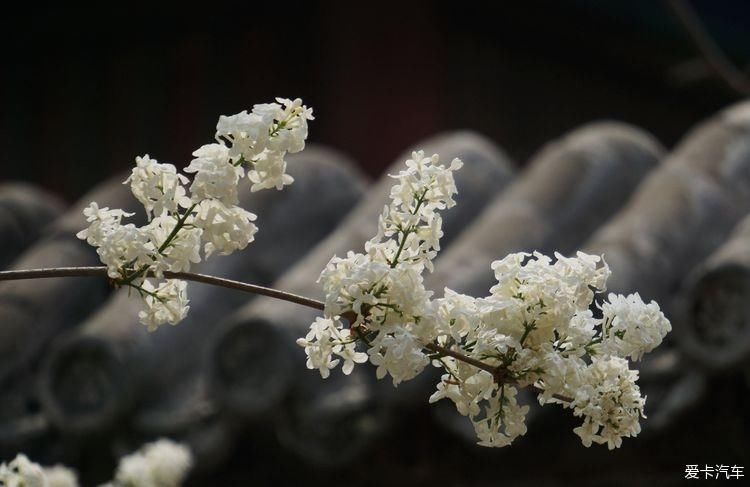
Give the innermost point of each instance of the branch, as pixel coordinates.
(463, 358)
(101, 271)
(497, 372)
(712, 54)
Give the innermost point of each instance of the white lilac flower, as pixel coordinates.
(609, 401)
(398, 354)
(455, 315)
(216, 177)
(344, 279)
(503, 420)
(291, 130)
(465, 385)
(101, 221)
(563, 375)
(183, 248)
(542, 295)
(579, 334)
(319, 344)
(534, 329)
(60, 476)
(269, 171)
(631, 327)
(268, 113)
(494, 412)
(133, 470)
(384, 287)
(170, 462)
(325, 339)
(425, 179)
(166, 303)
(247, 134)
(180, 227)
(124, 245)
(386, 284)
(162, 463)
(22, 472)
(261, 139)
(409, 230)
(158, 186)
(348, 352)
(404, 296)
(225, 228)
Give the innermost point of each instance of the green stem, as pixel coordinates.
(526, 330)
(180, 222)
(405, 233)
(128, 279)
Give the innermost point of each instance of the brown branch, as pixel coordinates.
(712, 54)
(100, 271)
(463, 358)
(498, 373)
(248, 288)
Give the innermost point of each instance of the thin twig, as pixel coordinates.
(463, 358)
(249, 288)
(495, 371)
(712, 54)
(101, 271)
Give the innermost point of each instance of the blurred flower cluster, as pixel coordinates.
(162, 463)
(22, 472)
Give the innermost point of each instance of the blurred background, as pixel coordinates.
(84, 91)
